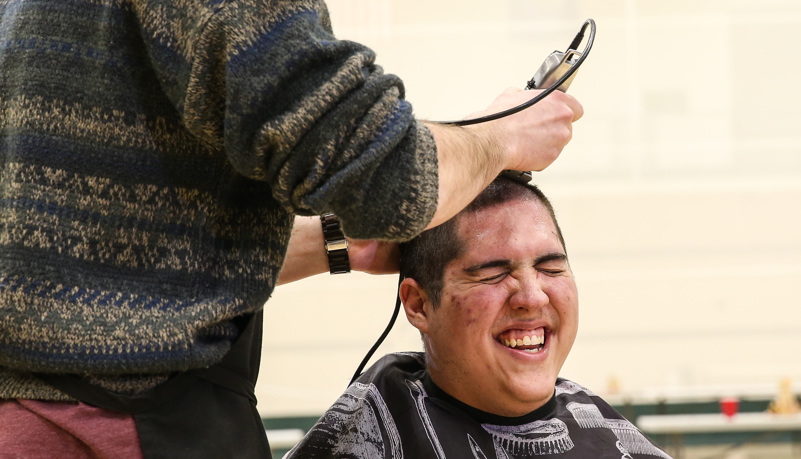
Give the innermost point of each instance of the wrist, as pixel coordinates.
(488, 143)
(469, 158)
(335, 244)
(304, 257)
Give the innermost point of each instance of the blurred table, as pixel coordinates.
(281, 439)
(676, 425)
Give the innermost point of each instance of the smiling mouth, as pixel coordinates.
(531, 341)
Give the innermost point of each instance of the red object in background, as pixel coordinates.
(729, 406)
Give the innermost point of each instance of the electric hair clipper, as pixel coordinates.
(555, 66)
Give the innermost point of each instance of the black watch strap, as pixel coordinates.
(336, 246)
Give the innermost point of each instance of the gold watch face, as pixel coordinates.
(340, 244)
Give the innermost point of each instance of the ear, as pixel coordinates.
(415, 303)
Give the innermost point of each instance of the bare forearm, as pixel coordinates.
(469, 159)
(305, 255)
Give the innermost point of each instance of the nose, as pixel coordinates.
(528, 292)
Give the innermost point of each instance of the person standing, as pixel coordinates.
(154, 157)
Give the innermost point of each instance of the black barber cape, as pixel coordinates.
(395, 411)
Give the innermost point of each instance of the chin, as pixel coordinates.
(521, 408)
(530, 398)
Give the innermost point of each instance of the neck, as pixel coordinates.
(492, 416)
(498, 405)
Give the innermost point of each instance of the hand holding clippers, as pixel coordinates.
(556, 72)
(558, 64)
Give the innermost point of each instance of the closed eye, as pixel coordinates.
(554, 264)
(491, 272)
(494, 279)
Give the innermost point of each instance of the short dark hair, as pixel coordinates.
(424, 257)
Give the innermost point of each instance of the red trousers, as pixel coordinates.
(39, 429)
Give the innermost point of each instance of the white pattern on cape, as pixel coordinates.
(570, 388)
(419, 396)
(475, 449)
(633, 440)
(623, 451)
(353, 427)
(587, 415)
(536, 438)
(630, 439)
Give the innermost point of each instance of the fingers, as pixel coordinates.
(373, 257)
(574, 105)
(568, 101)
(512, 97)
(535, 137)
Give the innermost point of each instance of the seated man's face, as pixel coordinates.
(512, 284)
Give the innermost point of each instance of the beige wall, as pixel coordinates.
(679, 196)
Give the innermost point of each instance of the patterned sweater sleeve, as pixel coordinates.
(291, 105)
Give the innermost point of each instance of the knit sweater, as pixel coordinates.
(153, 155)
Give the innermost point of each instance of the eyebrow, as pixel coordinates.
(553, 256)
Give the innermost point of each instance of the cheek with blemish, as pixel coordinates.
(462, 308)
(469, 316)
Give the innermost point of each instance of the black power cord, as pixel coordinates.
(517, 175)
(382, 337)
(553, 87)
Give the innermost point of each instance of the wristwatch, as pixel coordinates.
(336, 246)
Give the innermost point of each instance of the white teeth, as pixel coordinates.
(531, 351)
(527, 340)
